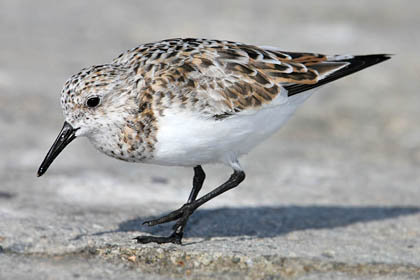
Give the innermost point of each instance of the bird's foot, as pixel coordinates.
(182, 214)
(173, 238)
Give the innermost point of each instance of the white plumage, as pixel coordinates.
(187, 139)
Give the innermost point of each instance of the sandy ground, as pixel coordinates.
(333, 195)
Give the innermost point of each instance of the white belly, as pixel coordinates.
(186, 139)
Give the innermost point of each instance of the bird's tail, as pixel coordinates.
(336, 67)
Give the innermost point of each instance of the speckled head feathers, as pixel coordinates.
(108, 82)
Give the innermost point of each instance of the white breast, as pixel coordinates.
(187, 139)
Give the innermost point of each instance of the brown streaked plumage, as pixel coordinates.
(189, 102)
(221, 78)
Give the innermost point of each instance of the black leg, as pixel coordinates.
(187, 209)
(198, 181)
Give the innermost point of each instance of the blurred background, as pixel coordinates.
(357, 141)
(339, 182)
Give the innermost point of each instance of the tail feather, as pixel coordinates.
(346, 65)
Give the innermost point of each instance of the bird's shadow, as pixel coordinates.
(269, 221)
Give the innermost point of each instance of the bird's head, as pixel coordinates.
(94, 102)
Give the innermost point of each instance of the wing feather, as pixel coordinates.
(222, 78)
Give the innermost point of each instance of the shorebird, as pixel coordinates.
(190, 102)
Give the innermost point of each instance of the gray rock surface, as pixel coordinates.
(334, 195)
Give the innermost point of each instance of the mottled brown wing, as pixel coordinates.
(233, 78)
(230, 78)
(255, 76)
(221, 78)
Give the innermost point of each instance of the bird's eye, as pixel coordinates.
(93, 101)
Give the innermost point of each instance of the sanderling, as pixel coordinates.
(189, 102)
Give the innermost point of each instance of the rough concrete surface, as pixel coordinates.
(334, 195)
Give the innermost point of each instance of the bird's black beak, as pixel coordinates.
(67, 134)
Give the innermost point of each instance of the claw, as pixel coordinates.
(173, 238)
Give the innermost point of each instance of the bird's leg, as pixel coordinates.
(187, 209)
(198, 181)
